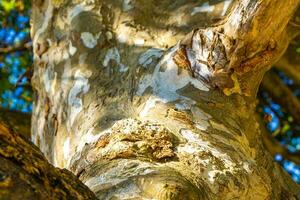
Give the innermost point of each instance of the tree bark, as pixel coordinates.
(25, 173)
(152, 100)
(20, 122)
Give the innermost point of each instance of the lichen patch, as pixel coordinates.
(134, 139)
(114, 55)
(89, 40)
(203, 8)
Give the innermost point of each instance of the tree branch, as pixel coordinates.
(25, 174)
(20, 122)
(281, 94)
(294, 25)
(261, 37)
(274, 147)
(26, 46)
(289, 62)
(292, 70)
(241, 48)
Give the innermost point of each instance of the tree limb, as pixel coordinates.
(20, 122)
(25, 174)
(26, 46)
(289, 62)
(292, 70)
(281, 94)
(274, 147)
(243, 46)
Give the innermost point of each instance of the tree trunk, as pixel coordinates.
(140, 102)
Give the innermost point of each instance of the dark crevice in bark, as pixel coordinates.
(25, 173)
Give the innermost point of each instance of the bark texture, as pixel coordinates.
(25, 173)
(154, 99)
(20, 122)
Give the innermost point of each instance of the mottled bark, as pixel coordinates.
(140, 102)
(25, 173)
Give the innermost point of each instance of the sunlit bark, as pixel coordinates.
(139, 101)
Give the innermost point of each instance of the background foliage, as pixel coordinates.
(15, 55)
(281, 124)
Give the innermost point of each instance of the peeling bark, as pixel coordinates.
(140, 103)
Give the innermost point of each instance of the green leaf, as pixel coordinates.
(8, 5)
(285, 128)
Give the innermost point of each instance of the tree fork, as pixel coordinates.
(134, 118)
